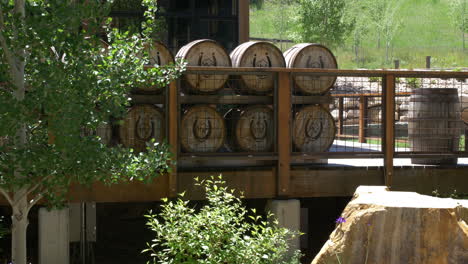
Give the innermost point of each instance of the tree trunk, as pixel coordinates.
(19, 227)
(463, 39)
(378, 41)
(387, 47)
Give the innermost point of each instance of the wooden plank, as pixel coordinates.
(252, 183)
(147, 99)
(362, 119)
(389, 125)
(131, 192)
(323, 99)
(335, 72)
(332, 182)
(173, 136)
(226, 99)
(244, 30)
(284, 133)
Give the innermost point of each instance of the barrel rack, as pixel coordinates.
(282, 157)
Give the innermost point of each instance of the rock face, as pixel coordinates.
(385, 227)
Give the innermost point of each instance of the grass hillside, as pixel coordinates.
(426, 30)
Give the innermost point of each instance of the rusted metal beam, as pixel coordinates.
(284, 133)
(340, 116)
(389, 125)
(362, 119)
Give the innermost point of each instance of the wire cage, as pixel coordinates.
(343, 119)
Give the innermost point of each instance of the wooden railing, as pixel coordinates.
(283, 99)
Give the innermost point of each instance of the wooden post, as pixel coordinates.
(428, 62)
(244, 32)
(284, 133)
(362, 118)
(173, 137)
(397, 64)
(466, 138)
(389, 133)
(340, 116)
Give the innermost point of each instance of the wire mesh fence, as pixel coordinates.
(431, 118)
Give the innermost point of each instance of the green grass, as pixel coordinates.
(427, 30)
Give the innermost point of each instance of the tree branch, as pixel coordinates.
(31, 190)
(3, 43)
(7, 196)
(32, 202)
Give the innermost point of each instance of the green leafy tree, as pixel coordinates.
(258, 4)
(357, 12)
(383, 13)
(58, 81)
(323, 21)
(222, 231)
(460, 17)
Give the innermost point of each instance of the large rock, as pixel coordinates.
(384, 227)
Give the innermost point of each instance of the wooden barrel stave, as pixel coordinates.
(159, 55)
(141, 124)
(207, 53)
(251, 129)
(103, 131)
(313, 129)
(257, 54)
(434, 123)
(202, 129)
(311, 55)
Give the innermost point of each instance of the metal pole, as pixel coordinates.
(428, 62)
(397, 64)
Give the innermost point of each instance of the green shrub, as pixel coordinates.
(222, 231)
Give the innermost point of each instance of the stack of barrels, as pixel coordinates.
(248, 128)
(313, 126)
(146, 122)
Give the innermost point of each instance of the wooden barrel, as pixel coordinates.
(464, 115)
(202, 129)
(313, 129)
(142, 123)
(434, 123)
(159, 55)
(252, 129)
(310, 55)
(206, 53)
(257, 54)
(103, 131)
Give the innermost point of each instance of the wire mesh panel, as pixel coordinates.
(229, 123)
(346, 120)
(429, 115)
